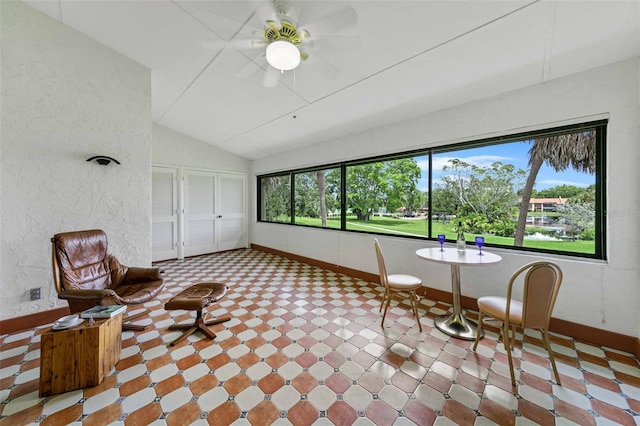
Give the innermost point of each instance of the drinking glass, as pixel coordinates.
(480, 243)
(441, 239)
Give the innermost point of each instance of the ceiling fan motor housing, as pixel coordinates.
(287, 31)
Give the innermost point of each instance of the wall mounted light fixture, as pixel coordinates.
(103, 160)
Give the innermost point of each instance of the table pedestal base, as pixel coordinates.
(457, 325)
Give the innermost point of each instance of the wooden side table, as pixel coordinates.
(79, 357)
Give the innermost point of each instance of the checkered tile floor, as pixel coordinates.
(305, 347)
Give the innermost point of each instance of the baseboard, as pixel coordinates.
(25, 322)
(579, 332)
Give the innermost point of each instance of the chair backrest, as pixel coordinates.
(541, 285)
(81, 261)
(381, 266)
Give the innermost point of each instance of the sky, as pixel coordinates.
(515, 153)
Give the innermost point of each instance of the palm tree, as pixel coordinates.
(576, 150)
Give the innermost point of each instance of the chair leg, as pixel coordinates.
(135, 316)
(479, 333)
(386, 306)
(126, 322)
(415, 299)
(384, 298)
(199, 324)
(133, 327)
(507, 346)
(547, 345)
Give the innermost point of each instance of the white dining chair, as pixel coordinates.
(397, 284)
(541, 285)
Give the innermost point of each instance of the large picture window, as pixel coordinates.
(539, 191)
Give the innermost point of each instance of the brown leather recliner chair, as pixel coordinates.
(85, 274)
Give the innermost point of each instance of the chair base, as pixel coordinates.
(457, 325)
(199, 324)
(133, 327)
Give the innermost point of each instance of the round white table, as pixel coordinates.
(456, 324)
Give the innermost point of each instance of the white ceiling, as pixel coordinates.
(416, 57)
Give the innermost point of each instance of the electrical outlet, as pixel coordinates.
(35, 293)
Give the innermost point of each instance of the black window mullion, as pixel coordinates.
(430, 189)
(292, 197)
(343, 197)
(601, 214)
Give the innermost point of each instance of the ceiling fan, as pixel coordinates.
(287, 43)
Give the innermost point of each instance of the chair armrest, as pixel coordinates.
(141, 275)
(85, 294)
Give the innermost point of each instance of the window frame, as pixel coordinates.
(599, 126)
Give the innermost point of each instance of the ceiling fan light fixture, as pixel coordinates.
(283, 55)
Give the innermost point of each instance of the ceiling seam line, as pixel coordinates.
(427, 50)
(189, 86)
(208, 64)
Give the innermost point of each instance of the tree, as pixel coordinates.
(391, 184)
(575, 150)
(403, 176)
(276, 191)
(558, 191)
(314, 196)
(442, 200)
(577, 216)
(489, 191)
(587, 194)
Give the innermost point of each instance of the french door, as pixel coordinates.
(211, 213)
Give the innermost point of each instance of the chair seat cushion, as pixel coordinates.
(496, 307)
(403, 282)
(134, 294)
(197, 297)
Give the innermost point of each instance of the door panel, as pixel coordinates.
(199, 213)
(232, 220)
(164, 214)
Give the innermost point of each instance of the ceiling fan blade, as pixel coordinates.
(239, 44)
(265, 13)
(251, 68)
(271, 77)
(273, 25)
(335, 43)
(339, 20)
(325, 67)
(223, 19)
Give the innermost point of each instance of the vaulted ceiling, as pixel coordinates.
(397, 60)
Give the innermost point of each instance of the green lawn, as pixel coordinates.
(418, 227)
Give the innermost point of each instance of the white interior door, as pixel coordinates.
(199, 212)
(232, 212)
(164, 213)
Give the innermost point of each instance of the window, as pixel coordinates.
(275, 194)
(388, 196)
(541, 191)
(317, 198)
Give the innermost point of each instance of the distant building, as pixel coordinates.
(545, 204)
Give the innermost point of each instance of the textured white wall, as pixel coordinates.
(66, 98)
(177, 149)
(600, 294)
